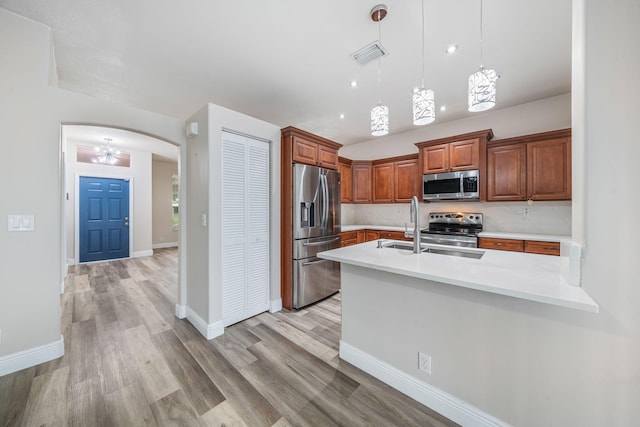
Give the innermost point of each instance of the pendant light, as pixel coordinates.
(424, 110)
(379, 113)
(482, 84)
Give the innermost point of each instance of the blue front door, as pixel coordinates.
(104, 218)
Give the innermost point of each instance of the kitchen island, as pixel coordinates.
(526, 276)
(461, 314)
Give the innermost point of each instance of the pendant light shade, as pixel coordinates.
(379, 120)
(482, 84)
(482, 90)
(424, 107)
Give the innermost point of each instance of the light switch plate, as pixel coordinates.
(20, 223)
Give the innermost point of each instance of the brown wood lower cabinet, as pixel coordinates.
(529, 246)
(501, 244)
(348, 238)
(544, 248)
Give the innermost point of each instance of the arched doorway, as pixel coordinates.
(145, 163)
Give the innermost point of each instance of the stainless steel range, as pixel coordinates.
(453, 228)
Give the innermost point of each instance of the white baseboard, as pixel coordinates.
(140, 254)
(181, 311)
(275, 305)
(164, 245)
(71, 261)
(31, 357)
(208, 330)
(440, 401)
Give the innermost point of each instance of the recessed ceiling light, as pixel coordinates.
(451, 48)
(353, 83)
(342, 116)
(443, 108)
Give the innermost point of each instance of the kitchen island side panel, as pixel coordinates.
(494, 352)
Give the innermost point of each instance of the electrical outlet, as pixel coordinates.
(424, 363)
(525, 212)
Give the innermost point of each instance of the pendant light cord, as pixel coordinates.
(481, 35)
(422, 44)
(379, 59)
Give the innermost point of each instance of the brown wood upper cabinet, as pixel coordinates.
(395, 179)
(455, 153)
(453, 156)
(361, 183)
(310, 149)
(533, 167)
(346, 180)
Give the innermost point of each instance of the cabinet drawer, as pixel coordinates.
(395, 235)
(501, 244)
(347, 235)
(543, 248)
(348, 242)
(371, 235)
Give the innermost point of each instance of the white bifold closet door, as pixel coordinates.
(245, 227)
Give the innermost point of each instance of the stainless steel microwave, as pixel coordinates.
(462, 185)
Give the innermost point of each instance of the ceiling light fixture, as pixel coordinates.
(443, 108)
(482, 84)
(451, 48)
(108, 154)
(353, 83)
(379, 113)
(424, 110)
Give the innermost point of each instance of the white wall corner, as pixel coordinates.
(140, 254)
(275, 305)
(440, 401)
(207, 330)
(181, 311)
(571, 262)
(31, 357)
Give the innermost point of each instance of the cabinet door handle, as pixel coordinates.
(523, 196)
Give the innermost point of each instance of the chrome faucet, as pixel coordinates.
(415, 219)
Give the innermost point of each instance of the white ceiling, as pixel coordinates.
(287, 61)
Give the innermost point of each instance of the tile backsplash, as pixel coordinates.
(541, 217)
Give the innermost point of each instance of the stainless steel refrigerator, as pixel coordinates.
(316, 228)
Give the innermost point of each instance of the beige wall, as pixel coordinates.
(527, 363)
(31, 113)
(163, 233)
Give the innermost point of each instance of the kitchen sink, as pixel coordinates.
(395, 245)
(454, 252)
(440, 251)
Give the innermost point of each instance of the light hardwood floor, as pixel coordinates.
(130, 362)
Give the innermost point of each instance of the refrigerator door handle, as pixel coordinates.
(324, 242)
(304, 264)
(325, 206)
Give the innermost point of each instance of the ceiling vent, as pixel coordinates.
(368, 53)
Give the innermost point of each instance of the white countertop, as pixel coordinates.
(495, 234)
(520, 275)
